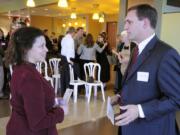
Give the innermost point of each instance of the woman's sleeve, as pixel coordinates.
(99, 49)
(34, 104)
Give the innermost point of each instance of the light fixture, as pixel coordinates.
(101, 18)
(30, 3)
(76, 23)
(83, 25)
(73, 16)
(62, 3)
(95, 16)
(64, 25)
(70, 24)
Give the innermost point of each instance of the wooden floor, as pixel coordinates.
(101, 126)
(83, 118)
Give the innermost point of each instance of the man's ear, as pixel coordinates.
(146, 23)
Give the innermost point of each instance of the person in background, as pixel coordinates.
(78, 37)
(54, 42)
(117, 67)
(1, 73)
(103, 60)
(13, 27)
(104, 34)
(59, 42)
(66, 55)
(2, 40)
(87, 52)
(49, 44)
(53, 38)
(7, 75)
(150, 94)
(67, 45)
(124, 50)
(125, 53)
(32, 97)
(2, 43)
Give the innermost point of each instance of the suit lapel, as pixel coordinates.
(141, 58)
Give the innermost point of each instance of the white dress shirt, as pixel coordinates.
(141, 46)
(67, 47)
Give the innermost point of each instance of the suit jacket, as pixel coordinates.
(32, 104)
(153, 82)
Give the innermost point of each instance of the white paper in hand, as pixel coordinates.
(110, 111)
(67, 95)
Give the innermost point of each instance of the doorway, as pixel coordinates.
(111, 33)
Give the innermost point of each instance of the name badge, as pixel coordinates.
(143, 76)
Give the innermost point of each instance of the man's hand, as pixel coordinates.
(120, 57)
(114, 99)
(131, 113)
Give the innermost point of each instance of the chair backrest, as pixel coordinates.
(92, 70)
(54, 65)
(40, 66)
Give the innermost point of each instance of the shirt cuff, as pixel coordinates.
(141, 113)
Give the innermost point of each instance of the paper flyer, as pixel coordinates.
(110, 111)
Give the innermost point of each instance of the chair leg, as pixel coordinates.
(56, 85)
(89, 95)
(87, 91)
(59, 83)
(51, 81)
(102, 90)
(75, 93)
(95, 91)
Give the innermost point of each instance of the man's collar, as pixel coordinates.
(143, 44)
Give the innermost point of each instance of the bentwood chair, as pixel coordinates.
(54, 66)
(75, 83)
(43, 69)
(93, 70)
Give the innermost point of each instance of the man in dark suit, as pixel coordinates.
(150, 93)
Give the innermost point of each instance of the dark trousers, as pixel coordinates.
(65, 75)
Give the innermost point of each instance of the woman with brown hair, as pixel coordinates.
(32, 101)
(102, 59)
(87, 52)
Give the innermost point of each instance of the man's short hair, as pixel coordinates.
(146, 11)
(71, 30)
(79, 28)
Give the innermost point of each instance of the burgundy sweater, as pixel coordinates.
(32, 104)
